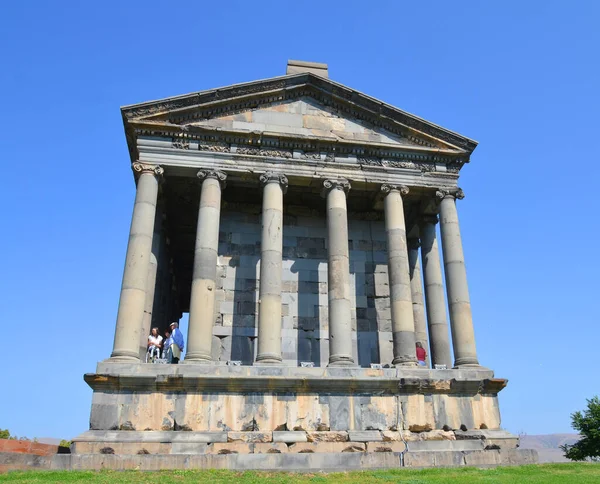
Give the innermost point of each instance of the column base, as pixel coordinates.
(268, 361)
(341, 361)
(468, 361)
(197, 359)
(406, 362)
(124, 357)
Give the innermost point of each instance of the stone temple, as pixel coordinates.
(296, 221)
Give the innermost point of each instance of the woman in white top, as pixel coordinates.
(154, 343)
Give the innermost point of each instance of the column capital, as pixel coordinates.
(141, 168)
(429, 218)
(274, 177)
(387, 188)
(216, 174)
(335, 184)
(451, 193)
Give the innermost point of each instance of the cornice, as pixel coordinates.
(242, 97)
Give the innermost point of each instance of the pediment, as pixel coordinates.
(301, 106)
(308, 118)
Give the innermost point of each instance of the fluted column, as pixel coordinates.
(435, 302)
(403, 324)
(133, 288)
(269, 301)
(202, 302)
(338, 273)
(461, 319)
(416, 290)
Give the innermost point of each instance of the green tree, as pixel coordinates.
(4, 434)
(588, 426)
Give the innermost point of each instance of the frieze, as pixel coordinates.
(258, 151)
(181, 143)
(214, 146)
(412, 165)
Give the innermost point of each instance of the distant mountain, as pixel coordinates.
(548, 446)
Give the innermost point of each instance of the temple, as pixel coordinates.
(296, 221)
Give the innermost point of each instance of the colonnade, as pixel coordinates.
(407, 301)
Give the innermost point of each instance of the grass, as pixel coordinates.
(579, 473)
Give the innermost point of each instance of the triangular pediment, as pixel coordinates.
(301, 106)
(304, 117)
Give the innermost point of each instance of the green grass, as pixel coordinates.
(544, 474)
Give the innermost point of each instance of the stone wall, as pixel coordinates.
(304, 299)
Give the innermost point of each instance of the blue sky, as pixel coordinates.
(520, 77)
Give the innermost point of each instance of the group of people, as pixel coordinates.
(170, 347)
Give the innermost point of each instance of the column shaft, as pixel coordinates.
(338, 274)
(202, 302)
(133, 288)
(439, 341)
(416, 289)
(403, 323)
(461, 320)
(269, 301)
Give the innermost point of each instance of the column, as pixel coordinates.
(338, 273)
(137, 261)
(416, 290)
(269, 299)
(403, 323)
(435, 302)
(202, 302)
(461, 320)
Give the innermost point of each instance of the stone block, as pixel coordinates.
(317, 447)
(395, 436)
(289, 437)
(270, 448)
(230, 448)
(331, 436)
(364, 436)
(434, 459)
(437, 435)
(445, 445)
(188, 448)
(249, 437)
(386, 447)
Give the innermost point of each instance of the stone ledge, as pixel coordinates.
(218, 378)
(299, 462)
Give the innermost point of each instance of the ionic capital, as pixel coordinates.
(272, 177)
(141, 168)
(455, 193)
(215, 174)
(387, 188)
(335, 184)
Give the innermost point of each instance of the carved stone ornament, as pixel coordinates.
(335, 184)
(387, 188)
(216, 174)
(453, 193)
(272, 177)
(141, 168)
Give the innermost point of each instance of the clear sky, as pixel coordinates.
(522, 78)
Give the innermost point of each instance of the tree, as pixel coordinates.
(588, 425)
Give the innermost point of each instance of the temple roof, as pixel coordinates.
(300, 109)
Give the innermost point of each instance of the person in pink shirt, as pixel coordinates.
(421, 354)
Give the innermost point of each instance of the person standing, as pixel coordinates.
(167, 351)
(177, 346)
(154, 344)
(421, 354)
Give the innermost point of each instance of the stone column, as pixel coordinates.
(202, 302)
(338, 273)
(133, 288)
(435, 302)
(269, 300)
(416, 290)
(403, 323)
(461, 320)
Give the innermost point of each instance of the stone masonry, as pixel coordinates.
(304, 227)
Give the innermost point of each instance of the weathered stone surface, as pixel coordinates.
(332, 436)
(386, 447)
(270, 448)
(188, 448)
(445, 445)
(364, 436)
(249, 436)
(395, 436)
(437, 435)
(317, 447)
(289, 437)
(434, 459)
(230, 448)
